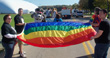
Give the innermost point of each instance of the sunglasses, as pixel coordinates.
(9, 18)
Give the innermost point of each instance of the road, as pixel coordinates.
(83, 50)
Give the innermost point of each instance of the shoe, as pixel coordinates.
(22, 55)
(23, 52)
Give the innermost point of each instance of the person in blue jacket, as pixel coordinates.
(58, 18)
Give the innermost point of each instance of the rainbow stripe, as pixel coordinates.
(56, 34)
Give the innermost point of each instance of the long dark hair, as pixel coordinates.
(58, 16)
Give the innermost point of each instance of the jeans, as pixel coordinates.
(101, 50)
(8, 49)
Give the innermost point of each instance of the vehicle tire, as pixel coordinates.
(82, 16)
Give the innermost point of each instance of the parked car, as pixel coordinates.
(79, 14)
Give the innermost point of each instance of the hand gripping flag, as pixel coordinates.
(56, 34)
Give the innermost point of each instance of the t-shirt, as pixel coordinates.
(19, 19)
(57, 20)
(54, 14)
(7, 29)
(105, 37)
(48, 13)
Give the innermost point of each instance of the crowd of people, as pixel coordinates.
(40, 15)
(9, 34)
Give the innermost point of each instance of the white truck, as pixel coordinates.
(66, 14)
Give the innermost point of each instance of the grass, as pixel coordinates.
(27, 19)
(89, 13)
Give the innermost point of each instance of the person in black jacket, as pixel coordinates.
(8, 36)
(102, 38)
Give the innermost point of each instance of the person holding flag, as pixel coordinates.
(95, 20)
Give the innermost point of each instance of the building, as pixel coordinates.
(12, 6)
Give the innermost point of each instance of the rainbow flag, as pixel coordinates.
(56, 34)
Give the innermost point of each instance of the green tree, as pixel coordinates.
(101, 4)
(75, 5)
(91, 5)
(83, 4)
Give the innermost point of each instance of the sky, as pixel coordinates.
(53, 2)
